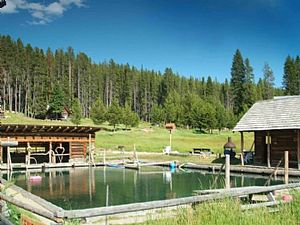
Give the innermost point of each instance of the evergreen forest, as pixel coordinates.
(34, 80)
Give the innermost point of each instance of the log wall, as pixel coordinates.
(281, 140)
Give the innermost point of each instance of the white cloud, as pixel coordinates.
(41, 13)
(55, 8)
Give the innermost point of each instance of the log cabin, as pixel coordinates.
(276, 127)
(46, 144)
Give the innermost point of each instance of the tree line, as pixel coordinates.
(34, 80)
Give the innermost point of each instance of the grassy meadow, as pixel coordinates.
(147, 138)
(154, 139)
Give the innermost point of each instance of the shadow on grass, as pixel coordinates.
(116, 130)
(198, 131)
(233, 161)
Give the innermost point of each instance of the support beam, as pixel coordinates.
(298, 148)
(1, 154)
(57, 129)
(24, 128)
(49, 129)
(16, 128)
(242, 148)
(64, 130)
(268, 149)
(7, 128)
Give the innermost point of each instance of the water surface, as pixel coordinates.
(79, 188)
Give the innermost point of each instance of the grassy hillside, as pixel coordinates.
(145, 137)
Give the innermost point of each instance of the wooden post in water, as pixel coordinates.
(50, 152)
(171, 140)
(106, 203)
(90, 149)
(104, 152)
(135, 154)
(9, 163)
(29, 153)
(286, 167)
(227, 171)
(8, 159)
(242, 148)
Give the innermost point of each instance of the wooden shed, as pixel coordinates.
(276, 127)
(50, 144)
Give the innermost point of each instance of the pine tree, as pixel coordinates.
(268, 91)
(297, 69)
(56, 102)
(221, 116)
(290, 81)
(158, 115)
(250, 93)
(76, 112)
(203, 115)
(130, 118)
(98, 112)
(189, 103)
(238, 83)
(114, 114)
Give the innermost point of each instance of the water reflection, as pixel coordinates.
(78, 188)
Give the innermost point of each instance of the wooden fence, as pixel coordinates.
(57, 214)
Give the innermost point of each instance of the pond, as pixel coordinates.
(79, 188)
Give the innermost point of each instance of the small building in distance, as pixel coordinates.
(64, 115)
(46, 143)
(276, 127)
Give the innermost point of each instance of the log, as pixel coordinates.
(9, 143)
(42, 202)
(103, 211)
(203, 192)
(259, 205)
(29, 208)
(4, 221)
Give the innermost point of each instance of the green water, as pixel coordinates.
(80, 188)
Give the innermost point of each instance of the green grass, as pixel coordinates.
(155, 139)
(145, 137)
(228, 211)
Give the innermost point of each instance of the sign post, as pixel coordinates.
(171, 127)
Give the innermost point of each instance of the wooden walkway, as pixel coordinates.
(262, 170)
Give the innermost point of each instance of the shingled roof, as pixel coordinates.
(277, 114)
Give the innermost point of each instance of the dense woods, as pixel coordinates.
(34, 81)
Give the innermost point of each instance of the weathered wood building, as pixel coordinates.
(46, 144)
(276, 127)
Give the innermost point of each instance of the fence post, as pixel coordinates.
(227, 171)
(286, 167)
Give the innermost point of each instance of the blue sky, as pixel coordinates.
(193, 37)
